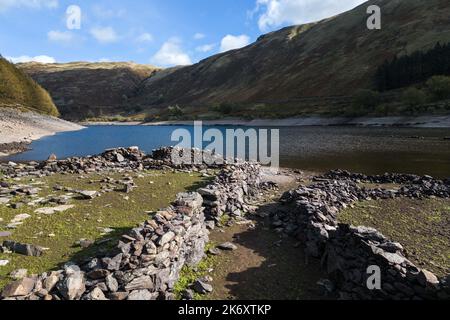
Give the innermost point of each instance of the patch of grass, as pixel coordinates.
(188, 275)
(115, 210)
(421, 226)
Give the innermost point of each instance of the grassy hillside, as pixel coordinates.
(19, 89)
(296, 67)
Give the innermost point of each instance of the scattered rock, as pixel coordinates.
(187, 294)
(202, 287)
(214, 251)
(227, 246)
(5, 234)
(25, 249)
(19, 274)
(88, 195)
(52, 210)
(4, 263)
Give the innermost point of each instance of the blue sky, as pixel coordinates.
(159, 32)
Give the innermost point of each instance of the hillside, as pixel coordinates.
(301, 70)
(82, 89)
(17, 89)
(333, 57)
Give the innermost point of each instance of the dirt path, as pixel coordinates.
(266, 265)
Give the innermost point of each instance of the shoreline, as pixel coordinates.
(19, 129)
(394, 121)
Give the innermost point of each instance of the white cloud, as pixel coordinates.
(171, 54)
(230, 42)
(274, 13)
(144, 37)
(104, 34)
(103, 12)
(41, 59)
(36, 4)
(205, 47)
(199, 36)
(104, 60)
(60, 36)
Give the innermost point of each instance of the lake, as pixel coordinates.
(370, 150)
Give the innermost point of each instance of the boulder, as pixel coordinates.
(87, 194)
(73, 287)
(24, 249)
(19, 288)
(202, 287)
(228, 246)
(140, 283)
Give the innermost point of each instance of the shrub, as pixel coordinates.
(439, 87)
(225, 108)
(366, 100)
(414, 97)
(175, 111)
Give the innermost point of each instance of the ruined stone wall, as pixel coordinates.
(346, 251)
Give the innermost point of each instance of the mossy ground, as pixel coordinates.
(188, 275)
(116, 210)
(421, 226)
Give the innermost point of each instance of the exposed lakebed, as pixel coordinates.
(371, 150)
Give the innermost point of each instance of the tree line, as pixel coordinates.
(415, 68)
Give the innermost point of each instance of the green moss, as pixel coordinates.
(421, 226)
(188, 275)
(115, 210)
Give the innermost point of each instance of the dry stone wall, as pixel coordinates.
(146, 263)
(346, 251)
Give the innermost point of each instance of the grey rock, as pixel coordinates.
(72, 287)
(19, 274)
(118, 296)
(19, 288)
(24, 249)
(202, 287)
(187, 294)
(113, 264)
(166, 238)
(140, 283)
(88, 195)
(96, 294)
(428, 279)
(227, 246)
(51, 281)
(112, 283)
(142, 295)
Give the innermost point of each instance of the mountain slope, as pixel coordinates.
(333, 57)
(82, 89)
(17, 89)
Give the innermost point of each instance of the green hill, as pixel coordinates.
(17, 89)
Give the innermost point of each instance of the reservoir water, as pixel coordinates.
(370, 150)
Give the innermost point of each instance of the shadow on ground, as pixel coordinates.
(266, 266)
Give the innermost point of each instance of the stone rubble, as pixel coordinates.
(146, 262)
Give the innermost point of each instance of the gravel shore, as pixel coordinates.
(18, 129)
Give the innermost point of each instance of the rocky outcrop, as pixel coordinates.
(82, 89)
(346, 251)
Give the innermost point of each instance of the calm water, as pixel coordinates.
(367, 150)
